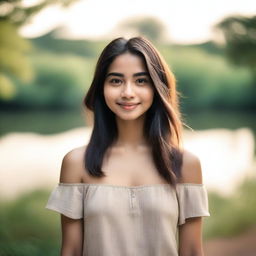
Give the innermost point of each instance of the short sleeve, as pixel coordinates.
(192, 200)
(67, 199)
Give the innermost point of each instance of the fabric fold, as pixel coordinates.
(67, 199)
(192, 200)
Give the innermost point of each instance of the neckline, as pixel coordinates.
(116, 186)
(127, 187)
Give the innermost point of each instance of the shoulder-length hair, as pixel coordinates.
(162, 127)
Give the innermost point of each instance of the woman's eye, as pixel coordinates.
(142, 80)
(115, 81)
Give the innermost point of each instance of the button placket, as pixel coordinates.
(132, 198)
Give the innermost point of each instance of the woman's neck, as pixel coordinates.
(130, 134)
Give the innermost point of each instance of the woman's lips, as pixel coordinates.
(128, 106)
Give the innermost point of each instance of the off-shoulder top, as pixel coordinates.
(130, 221)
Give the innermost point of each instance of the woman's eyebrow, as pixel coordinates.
(115, 74)
(122, 75)
(141, 74)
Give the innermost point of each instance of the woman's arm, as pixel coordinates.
(190, 237)
(190, 233)
(72, 236)
(72, 229)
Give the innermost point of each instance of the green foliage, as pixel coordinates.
(13, 48)
(7, 90)
(207, 80)
(17, 13)
(60, 81)
(49, 42)
(13, 59)
(208, 47)
(232, 215)
(27, 228)
(149, 27)
(239, 33)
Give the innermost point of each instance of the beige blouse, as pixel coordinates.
(130, 221)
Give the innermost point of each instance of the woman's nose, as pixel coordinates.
(128, 90)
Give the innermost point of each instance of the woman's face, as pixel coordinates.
(128, 89)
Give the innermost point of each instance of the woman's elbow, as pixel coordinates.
(191, 252)
(71, 252)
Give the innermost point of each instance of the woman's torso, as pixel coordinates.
(131, 211)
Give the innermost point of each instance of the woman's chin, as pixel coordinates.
(128, 117)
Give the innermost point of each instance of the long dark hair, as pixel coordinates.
(162, 127)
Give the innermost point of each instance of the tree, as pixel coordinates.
(13, 59)
(13, 48)
(149, 27)
(15, 12)
(240, 37)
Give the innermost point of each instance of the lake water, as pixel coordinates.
(29, 149)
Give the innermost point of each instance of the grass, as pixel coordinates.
(231, 215)
(26, 228)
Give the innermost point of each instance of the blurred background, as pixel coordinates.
(48, 51)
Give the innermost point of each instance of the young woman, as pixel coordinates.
(133, 190)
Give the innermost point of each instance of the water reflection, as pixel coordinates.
(226, 157)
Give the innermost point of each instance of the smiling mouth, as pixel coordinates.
(128, 106)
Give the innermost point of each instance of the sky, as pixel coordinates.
(186, 21)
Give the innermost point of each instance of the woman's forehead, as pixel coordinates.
(127, 62)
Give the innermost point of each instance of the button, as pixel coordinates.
(133, 194)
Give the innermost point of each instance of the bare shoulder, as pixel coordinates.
(72, 167)
(191, 171)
